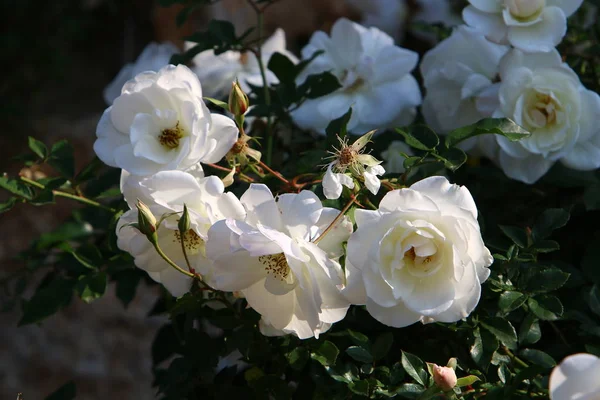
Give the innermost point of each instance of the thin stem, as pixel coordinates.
(336, 220)
(515, 358)
(171, 263)
(241, 175)
(59, 193)
(274, 173)
(187, 260)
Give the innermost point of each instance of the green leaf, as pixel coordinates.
(318, 85)
(360, 387)
(420, 137)
(483, 348)
(62, 159)
(547, 280)
(47, 300)
(516, 234)
(38, 147)
(466, 380)
(359, 339)
(415, 367)
(382, 345)
(546, 246)
(283, 68)
(589, 262)
(218, 103)
(8, 204)
(498, 126)
(549, 221)
(338, 126)
(510, 301)
(68, 391)
(547, 308)
(359, 354)
(538, 357)
(530, 331)
(16, 186)
(326, 354)
(91, 287)
(453, 158)
(127, 282)
(298, 358)
(502, 329)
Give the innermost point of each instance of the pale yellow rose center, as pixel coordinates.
(525, 9)
(543, 110)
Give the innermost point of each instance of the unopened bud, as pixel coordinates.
(146, 221)
(184, 222)
(444, 377)
(524, 8)
(238, 100)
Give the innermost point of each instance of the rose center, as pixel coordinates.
(277, 265)
(524, 9)
(191, 241)
(543, 111)
(169, 137)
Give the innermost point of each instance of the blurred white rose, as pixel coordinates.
(577, 377)
(374, 74)
(419, 257)
(394, 160)
(528, 25)
(153, 57)
(387, 15)
(216, 72)
(543, 95)
(459, 77)
(160, 122)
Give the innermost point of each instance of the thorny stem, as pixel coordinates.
(59, 193)
(336, 220)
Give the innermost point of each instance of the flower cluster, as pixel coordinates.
(475, 74)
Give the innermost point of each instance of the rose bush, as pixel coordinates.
(309, 213)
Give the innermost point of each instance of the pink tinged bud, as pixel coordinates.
(238, 100)
(444, 377)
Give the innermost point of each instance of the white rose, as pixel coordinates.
(459, 75)
(528, 25)
(543, 95)
(270, 257)
(394, 160)
(160, 122)
(216, 72)
(577, 377)
(165, 193)
(154, 57)
(374, 74)
(419, 257)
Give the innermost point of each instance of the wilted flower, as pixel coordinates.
(459, 77)
(154, 57)
(577, 377)
(160, 122)
(419, 257)
(166, 193)
(374, 74)
(349, 161)
(528, 25)
(544, 96)
(271, 258)
(216, 72)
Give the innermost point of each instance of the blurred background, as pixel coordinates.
(58, 57)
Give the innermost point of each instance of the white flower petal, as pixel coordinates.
(543, 36)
